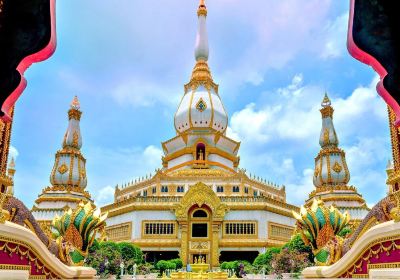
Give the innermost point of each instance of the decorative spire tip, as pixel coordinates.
(75, 103)
(326, 101)
(202, 10)
(11, 165)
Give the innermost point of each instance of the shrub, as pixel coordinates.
(297, 244)
(162, 265)
(263, 261)
(178, 262)
(288, 261)
(105, 258)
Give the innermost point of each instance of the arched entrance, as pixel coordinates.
(200, 234)
(200, 214)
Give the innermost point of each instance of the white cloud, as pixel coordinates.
(141, 93)
(105, 196)
(288, 124)
(297, 191)
(118, 166)
(336, 36)
(291, 116)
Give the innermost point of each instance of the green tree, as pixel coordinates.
(178, 262)
(130, 253)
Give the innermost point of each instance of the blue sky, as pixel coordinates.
(128, 61)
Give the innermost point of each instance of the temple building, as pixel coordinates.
(331, 174)
(200, 203)
(68, 177)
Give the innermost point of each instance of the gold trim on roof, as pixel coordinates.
(201, 75)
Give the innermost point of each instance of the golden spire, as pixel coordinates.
(327, 110)
(74, 112)
(201, 74)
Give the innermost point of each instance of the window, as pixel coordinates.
(154, 190)
(164, 189)
(235, 189)
(220, 189)
(180, 189)
(279, 232)
(240, 228)
(159, 228)
(145, 193)
(200, 214)
(255, 193)
(199, 230)
(119, 232)
(246, 190)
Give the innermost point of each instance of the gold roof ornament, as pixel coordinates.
(326, 101)
(202, 10)
(75, 103)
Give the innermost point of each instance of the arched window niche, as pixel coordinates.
(200, 152)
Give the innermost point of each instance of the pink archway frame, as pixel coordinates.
(41, 55)
(366, 58)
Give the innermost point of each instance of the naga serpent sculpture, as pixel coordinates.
(321, 227)
(75, 230)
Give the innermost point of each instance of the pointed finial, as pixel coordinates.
(389, 165)
(75, 103)
(11, 165)
(326, 101)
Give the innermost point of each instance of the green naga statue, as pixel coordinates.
(322, 227)
(76, 229)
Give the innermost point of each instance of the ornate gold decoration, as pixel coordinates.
(337, 167)
(202, 10)
(25, 250)
(369, 253)
(63, 168)
(74, 114)
(75, 139)
(317, 171)
(201, 75)
(326, 136)
(279, 231)
(4, 214)
(200, 194)
(201, 105)
(119, 232)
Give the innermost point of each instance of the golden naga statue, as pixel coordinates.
(324, 228)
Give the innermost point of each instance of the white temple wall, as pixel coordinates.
(136, 218)
(262, 218)
(179, 160)
(218, 158)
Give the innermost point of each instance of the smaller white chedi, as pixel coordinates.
(331, 174)
(68, 176)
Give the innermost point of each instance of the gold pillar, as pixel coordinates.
(395, 139)
(184, 240)
(215, 244)
(5, 136)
